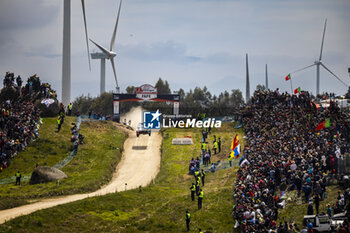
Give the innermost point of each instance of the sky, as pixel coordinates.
(189, 43)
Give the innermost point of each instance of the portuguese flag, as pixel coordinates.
(287, 77)
(296, 91)
(325, 124)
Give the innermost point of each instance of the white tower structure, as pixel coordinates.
(103, 58)
(247, 90)
(66, 65)
(266, 78)
(66, 54)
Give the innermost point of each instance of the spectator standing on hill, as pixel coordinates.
(70, 106)
(209, 152)
(204, 147)
(193, 191)
(30, 84)
(188, 220)
(329, 211)
(197, 163)
(202, 177)
(89, 112)
(59, 123)
(230, 160)
(317, 202)
(204, 135)
(219, 144)
(19, 81)
(198, 183)
(61, 109)
(215, 147)
(18, 178)
(310, 209)
(200, 199)
(62, 115)
(196, 173)
(76, 144)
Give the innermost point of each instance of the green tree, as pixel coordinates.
(260, 87)
(130, 90)
(236, 99)
(82, 104)
(103, 104)
(162, 87)
(182, 94)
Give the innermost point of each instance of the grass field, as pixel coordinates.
(159, 207)
(91, 168)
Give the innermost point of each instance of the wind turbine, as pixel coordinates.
(66, 53)
(319, 63)
(107, 54)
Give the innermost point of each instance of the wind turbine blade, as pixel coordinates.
(334, 75)
(115, 73)
(86, 33)
(324, 32)
(302, 69)
(103, 49)
(115, 28)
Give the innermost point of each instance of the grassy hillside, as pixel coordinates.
(91, 168)
(158, 208)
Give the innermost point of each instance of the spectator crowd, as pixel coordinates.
(34, 88)
(19, 118)
(285, 152)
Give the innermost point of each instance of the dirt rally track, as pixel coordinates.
(137, 167)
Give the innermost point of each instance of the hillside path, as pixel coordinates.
(137, 167)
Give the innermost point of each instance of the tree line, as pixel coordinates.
(192, 102)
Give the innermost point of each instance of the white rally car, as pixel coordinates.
(141, 130)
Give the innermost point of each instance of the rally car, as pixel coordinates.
(141, 130)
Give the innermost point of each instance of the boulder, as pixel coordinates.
(44, 174)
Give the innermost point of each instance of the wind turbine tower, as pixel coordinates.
(107, 54)
(266, 78)
(247, 91)
(66, 81)
(66, 54)
(102, 57)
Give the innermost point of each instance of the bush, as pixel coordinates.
(8, 94)
(50, 111)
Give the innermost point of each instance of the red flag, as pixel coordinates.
(322, 125)
(287, 77)
(296, 91)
